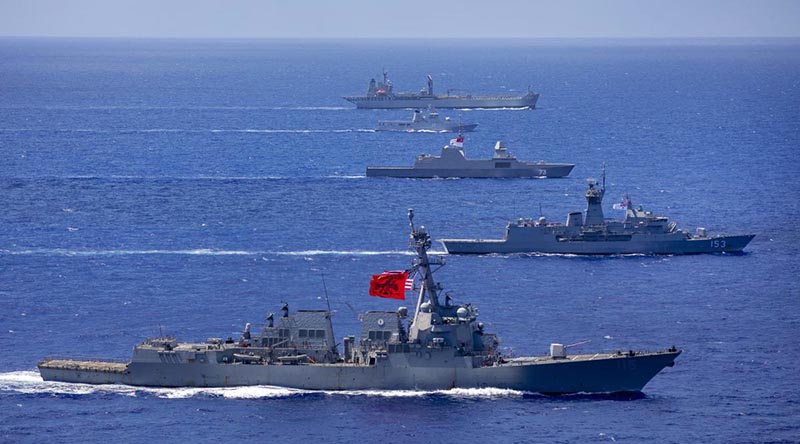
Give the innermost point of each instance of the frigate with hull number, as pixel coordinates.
(453, 162)
(640, 232)
(443, 346)
(382, 96)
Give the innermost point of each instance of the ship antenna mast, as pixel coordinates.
(421, 242)
(604, 176)
(325, 290)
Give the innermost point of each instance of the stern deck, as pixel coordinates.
(90, 366)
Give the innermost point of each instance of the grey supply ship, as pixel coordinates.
(639, 232)
(421, 123)
(452, 162)
(382, 96)
(444, 346)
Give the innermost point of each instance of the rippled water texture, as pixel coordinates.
(189, 187)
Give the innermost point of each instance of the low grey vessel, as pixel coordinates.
(639, 232)
(444, 346)
(382, 96)
(452, 162)
(420, 122)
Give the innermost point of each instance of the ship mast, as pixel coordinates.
(420, 241)
(594, 201)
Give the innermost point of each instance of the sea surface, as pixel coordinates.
(187, 187)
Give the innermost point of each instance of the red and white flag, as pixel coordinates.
(458, 142)
(410, 283)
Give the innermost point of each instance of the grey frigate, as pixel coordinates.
(443, 346)
(420, 122)
(453, 162)
(639, 232)
(382, 96)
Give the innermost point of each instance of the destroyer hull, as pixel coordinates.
(543, 170)
(606, 373)
(394, 102)
(720, 244)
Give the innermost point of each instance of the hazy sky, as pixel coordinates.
(400, 19)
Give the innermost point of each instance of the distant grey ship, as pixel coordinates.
(452, 162)
(443, 347)
(382, 96)
(639, 232)
(420, 122)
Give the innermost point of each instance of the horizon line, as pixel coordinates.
(761, 37)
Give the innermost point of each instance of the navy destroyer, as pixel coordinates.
(639, 232)
(382, 96)
(452, 162)
(425, 123)
(443, 346)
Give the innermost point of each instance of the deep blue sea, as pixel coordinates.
(188, 187)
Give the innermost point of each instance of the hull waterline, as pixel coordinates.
(722, 244)
(605, 374)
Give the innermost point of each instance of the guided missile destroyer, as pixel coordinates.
(639, 232)
(443, 346)
(452, 162)
(382, 96)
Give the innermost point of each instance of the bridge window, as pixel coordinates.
(502, 165)
(380, 335)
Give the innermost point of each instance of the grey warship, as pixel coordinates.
(382, 96)
(452, 162)
(639, 232)
(443, 346)
(421, 123)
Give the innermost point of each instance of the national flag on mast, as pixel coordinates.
(410, 283)
(389, 284)
(621, 206)
(458, 142)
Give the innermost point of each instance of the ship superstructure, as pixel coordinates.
(381, 95)
(430, 122)
(441, 346)
(639, 232)
(453, 162)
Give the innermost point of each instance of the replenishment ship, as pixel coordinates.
(382, 96)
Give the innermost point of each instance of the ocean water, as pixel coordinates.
(188, 187)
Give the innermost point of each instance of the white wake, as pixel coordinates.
(203, 252)
(30, 382)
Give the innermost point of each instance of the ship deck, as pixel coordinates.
(547, 359)
(92, 366)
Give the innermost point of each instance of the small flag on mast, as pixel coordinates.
(621, 206)
(457, 142)
(410, 283)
